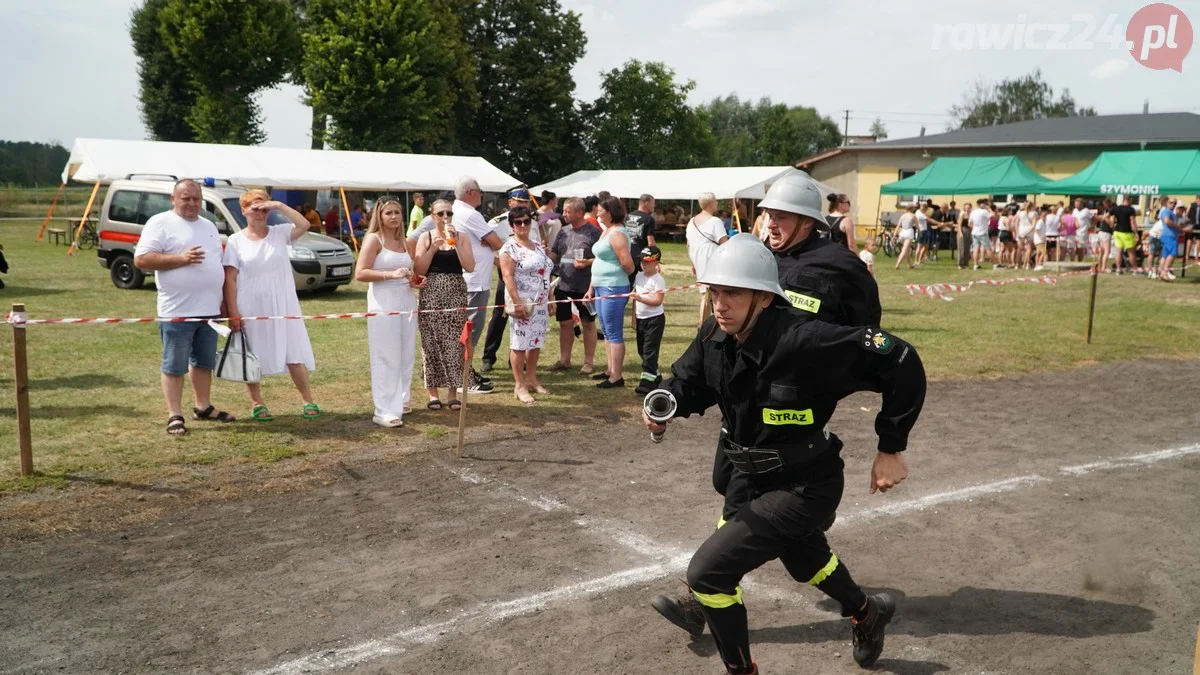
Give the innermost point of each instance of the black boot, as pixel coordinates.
(868, 633)
(683, 611)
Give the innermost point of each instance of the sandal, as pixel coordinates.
(559, 367)
(407, 410)
(175, 426)
(455, 404)
(260, 413)
(539, 389)
(311, 410)
(434, 404)
(212, 414)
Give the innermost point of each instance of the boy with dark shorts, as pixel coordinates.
(650, 318)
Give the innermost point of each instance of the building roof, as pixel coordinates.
(1099, 130)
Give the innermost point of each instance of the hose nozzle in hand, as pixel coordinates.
(660, 406)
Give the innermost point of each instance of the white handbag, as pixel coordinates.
(238, 365)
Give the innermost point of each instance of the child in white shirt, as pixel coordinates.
(867, 255)
(649, 316)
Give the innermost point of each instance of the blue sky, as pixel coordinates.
(69, 69)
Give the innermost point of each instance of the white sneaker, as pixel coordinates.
(995, 267)
(975, 268)
(1039, 268)
(1170, 276)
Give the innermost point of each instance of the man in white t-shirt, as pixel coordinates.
(980, 218)
(1083, 226)
(484, 244)
(705, 233)
(184, 252)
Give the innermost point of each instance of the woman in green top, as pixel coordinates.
(610, 276)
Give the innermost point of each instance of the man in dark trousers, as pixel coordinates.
(777, 376)
(821, 279)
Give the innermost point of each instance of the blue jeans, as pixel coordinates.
(184, 343)
(612, 312)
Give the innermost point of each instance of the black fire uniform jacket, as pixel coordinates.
(778, 390)
(828, 282)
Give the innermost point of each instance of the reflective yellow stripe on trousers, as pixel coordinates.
(719, 600)
(823, 573)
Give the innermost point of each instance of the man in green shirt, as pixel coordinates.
(418, 211)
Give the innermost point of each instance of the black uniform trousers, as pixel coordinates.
(784, 523)
(496, 327)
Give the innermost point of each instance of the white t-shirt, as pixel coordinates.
(1052, 219)
(702, 242)
(922, 220)
(645, 284)
(1157, 230)
(1083, 219)
(908, 221)
(470, 223)
(191, 290)
(867, 257)
(1025, 226)
(980, 219)
(1039, 231)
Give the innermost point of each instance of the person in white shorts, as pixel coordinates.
(908, 232)
(1085, 240)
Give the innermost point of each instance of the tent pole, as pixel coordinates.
(50, 213)
(83, 220)
(349, 224)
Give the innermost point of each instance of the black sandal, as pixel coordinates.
(211, 413)
(176, 426)
(455, 404)
(434, 404)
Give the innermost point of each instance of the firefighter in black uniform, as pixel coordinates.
(777, 375)
(824, 281)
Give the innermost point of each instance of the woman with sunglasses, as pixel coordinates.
(841, 225)
(526, 271)
(442, 261)
(384, 263)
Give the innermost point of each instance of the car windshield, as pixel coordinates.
(235, 209)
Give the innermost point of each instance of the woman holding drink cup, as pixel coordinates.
(442, 262)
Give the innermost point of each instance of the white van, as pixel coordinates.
(318, 262)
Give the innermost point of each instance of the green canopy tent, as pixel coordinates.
(1137, 172)
(969, 176)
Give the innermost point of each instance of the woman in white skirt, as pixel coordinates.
(385, 264)
(258, 282)
(908, 232)
(526, 271)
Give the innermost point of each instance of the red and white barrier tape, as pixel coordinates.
(938, 291)
(20, 319)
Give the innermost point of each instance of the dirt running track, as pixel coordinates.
(1050, 526)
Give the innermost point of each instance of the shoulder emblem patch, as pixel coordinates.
(878, 341)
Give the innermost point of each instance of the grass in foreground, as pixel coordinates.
(98, 414)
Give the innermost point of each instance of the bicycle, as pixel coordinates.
(886, 239)
(88, 238)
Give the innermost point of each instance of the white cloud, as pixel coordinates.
(1110, 69)
(717, 14)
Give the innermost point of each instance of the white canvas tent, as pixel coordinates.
(97, 160)
(746, 182)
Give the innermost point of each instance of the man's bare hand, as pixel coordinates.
(193, 256)
(654, 427)
(887, 472)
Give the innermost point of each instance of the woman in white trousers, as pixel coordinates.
(385, 264)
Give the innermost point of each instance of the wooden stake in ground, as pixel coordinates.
(21, 370)
(1092, 305)
(349, 224)
(50, 213)
(83, 221)
(465, 339)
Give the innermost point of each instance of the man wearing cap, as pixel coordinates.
(499, 322)
(777, 375)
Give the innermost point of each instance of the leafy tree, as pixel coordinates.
(767, 133)
(230, 51)
(642, 121)
(524, 120)
(878, 130)
(384, 71)
(164, 91)
(31, 164)
(1025, 98)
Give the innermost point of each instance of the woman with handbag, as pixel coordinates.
(384, 263)
(525, 267)
(442, 262)
(258, 282)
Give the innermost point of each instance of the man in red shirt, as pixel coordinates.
(331, 221)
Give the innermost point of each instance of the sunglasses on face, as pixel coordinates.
(522, 222)
(387, 200)
(443, 214)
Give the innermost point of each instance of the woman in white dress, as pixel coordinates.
(384, 263)
(258, 282)
(526, 270)
(908, 232)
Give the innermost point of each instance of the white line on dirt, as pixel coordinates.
(491, 612)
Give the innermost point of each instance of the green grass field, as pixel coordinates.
(98, 414)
